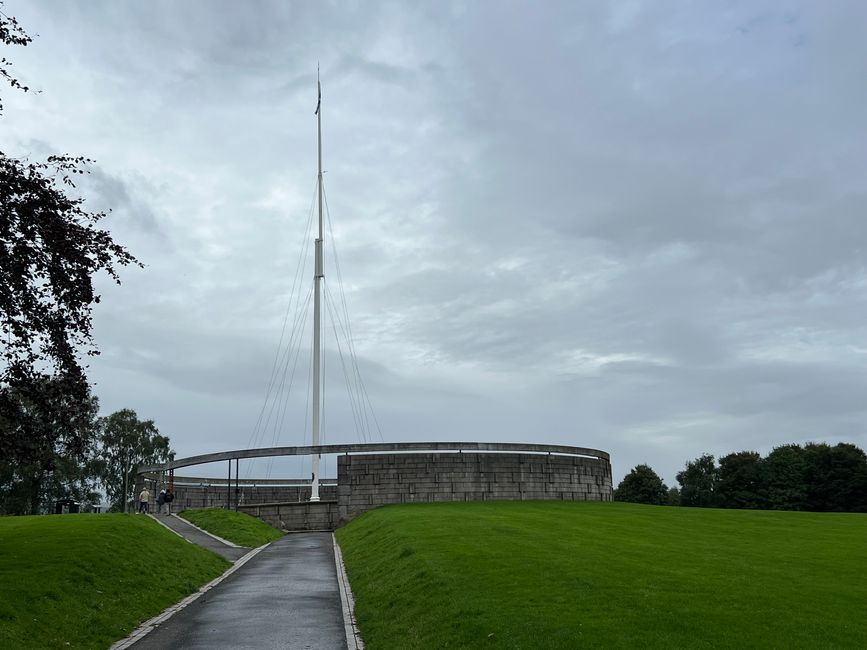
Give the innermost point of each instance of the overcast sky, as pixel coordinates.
(635, 226)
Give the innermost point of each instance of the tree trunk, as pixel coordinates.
(125, 489)
(35, 485)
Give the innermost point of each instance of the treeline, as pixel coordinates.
(816, 477)
(85, 458)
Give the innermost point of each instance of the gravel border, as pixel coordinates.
(353, 636)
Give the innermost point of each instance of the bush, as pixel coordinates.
(642, 485)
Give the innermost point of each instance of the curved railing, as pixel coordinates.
(376, 447)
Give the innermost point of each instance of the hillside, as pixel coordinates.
(85, 581)
(236, 527)
(568, 575)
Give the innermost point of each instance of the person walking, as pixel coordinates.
(161, 499)
(143, 499)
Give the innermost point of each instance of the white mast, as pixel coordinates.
(317, 280)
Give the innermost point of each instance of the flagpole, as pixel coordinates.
(317, 279)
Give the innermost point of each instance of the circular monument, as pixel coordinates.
(375, 474)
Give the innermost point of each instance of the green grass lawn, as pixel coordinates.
(600, 575)
(237, 527)
(85, 581)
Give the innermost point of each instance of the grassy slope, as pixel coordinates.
(568, 575)
(237, 527)
(84, 581)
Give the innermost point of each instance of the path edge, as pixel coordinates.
(347, 601)
(161, 523)
(219, 539)
(148, 626)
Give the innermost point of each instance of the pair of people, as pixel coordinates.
(164, 499)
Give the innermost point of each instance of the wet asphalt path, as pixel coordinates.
(285, 597)
(194, 535)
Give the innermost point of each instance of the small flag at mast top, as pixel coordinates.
(319, 97)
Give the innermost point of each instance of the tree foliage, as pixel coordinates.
(836, 478)
(815, 477)
(125, 443)
(50, 249)
(784, 478)
(642, 485)
(55, 435)
(11, 33)
(698, 482)
(739, 480)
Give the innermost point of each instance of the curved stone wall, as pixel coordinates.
(214, 492)
(375, 474)
(367, 481)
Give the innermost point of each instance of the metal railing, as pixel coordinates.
(377, 448)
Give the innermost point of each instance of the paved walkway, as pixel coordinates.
(285, 597)
(196, 536)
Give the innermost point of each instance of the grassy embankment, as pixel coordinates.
(85, 581)
(237, 527)
(570, 575)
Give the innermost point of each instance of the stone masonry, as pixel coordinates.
(375, 474)
(367, 481)
(323, 515)
(212, 493)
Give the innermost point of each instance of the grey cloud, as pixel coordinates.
(375, 70)
(633, 226)
(110, 193)
(104, 192)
